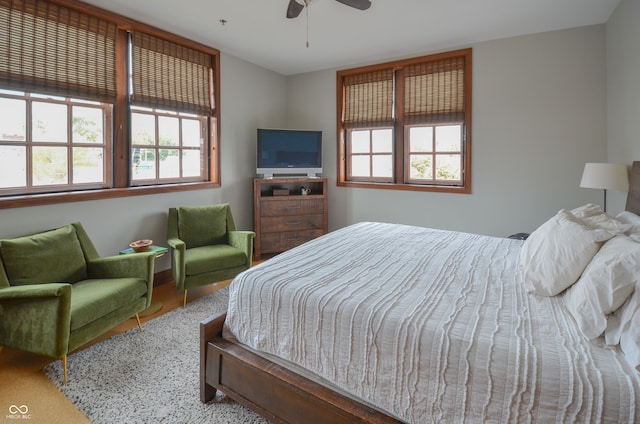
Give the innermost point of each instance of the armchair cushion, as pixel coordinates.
(202, 225)
(213, 258)
(93, 299)
(49, 257)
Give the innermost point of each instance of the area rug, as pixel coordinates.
(149, 377)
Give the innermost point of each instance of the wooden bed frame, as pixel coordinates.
(281, 395)
(274, 392)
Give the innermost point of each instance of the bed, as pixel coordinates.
(395, 323)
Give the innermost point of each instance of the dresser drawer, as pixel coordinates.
(272, 224)
(279, 242)
(292, 207)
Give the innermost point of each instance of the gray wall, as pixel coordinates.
(539, 113)
(623, 89)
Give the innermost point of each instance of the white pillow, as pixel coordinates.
(587, 210)
(633, 221)
(605, 285)
(630, 341)
(593, 216)
(623, 327)
(555, 254)
(620, 318)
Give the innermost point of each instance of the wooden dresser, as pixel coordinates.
(283, 217)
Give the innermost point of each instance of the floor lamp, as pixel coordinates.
(605, 176)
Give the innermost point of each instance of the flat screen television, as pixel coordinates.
(288, 152)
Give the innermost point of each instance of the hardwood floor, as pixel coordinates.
(23, 384)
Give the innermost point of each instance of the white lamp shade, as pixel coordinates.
(607, 176)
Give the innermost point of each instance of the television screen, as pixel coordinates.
(289, 152)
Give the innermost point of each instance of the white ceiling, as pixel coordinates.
(340, 36)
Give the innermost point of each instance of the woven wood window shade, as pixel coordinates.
(169, 76)
(52, 49)
(434, 91)
(368, 99)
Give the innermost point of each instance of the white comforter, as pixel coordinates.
(429, 326)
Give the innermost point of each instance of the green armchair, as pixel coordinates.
(56, 293)
(206, 247)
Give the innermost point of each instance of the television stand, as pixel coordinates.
(283, 217)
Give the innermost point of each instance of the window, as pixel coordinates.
(406, 124)
(50, 143)
(371, 153)
(100, 104)
(434, 154)
(171, 101)
(167, 146)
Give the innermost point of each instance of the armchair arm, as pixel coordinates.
(36, 318)
(178, 250)
(243, 240)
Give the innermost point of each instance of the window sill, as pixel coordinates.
(406, 187)
(20, 201)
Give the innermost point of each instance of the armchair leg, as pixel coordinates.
(64, 369)
(138, 321)
(184, 300)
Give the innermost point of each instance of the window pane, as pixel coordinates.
(421, 139)
(382, 166)
(360, 142)
(382, 140)
(169, 163)
(448, 138)
(448, 167)
(168, 131)
(12, 124)
(15, 93)
(143, 164)
(191, 163)
(177, 152)
(88, 165)
(87, 125)
(47, 96)
(360, 166)
(88, 102)
(49, 122)
(421, 167)
(50, 165)
(143, 129)
(140, 108)
(13, 166)
(191, 133)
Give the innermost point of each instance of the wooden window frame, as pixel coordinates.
(401, 155)
(120, 143)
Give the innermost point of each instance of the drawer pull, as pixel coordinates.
(294, 239)
(294, 223)
(292, 208)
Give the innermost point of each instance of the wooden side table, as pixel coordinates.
(159, 251)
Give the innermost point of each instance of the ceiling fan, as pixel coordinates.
(296, 6)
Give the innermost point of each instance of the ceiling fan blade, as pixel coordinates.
(358, 4)
(294, 9)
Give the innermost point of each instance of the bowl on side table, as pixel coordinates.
(141, 245)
